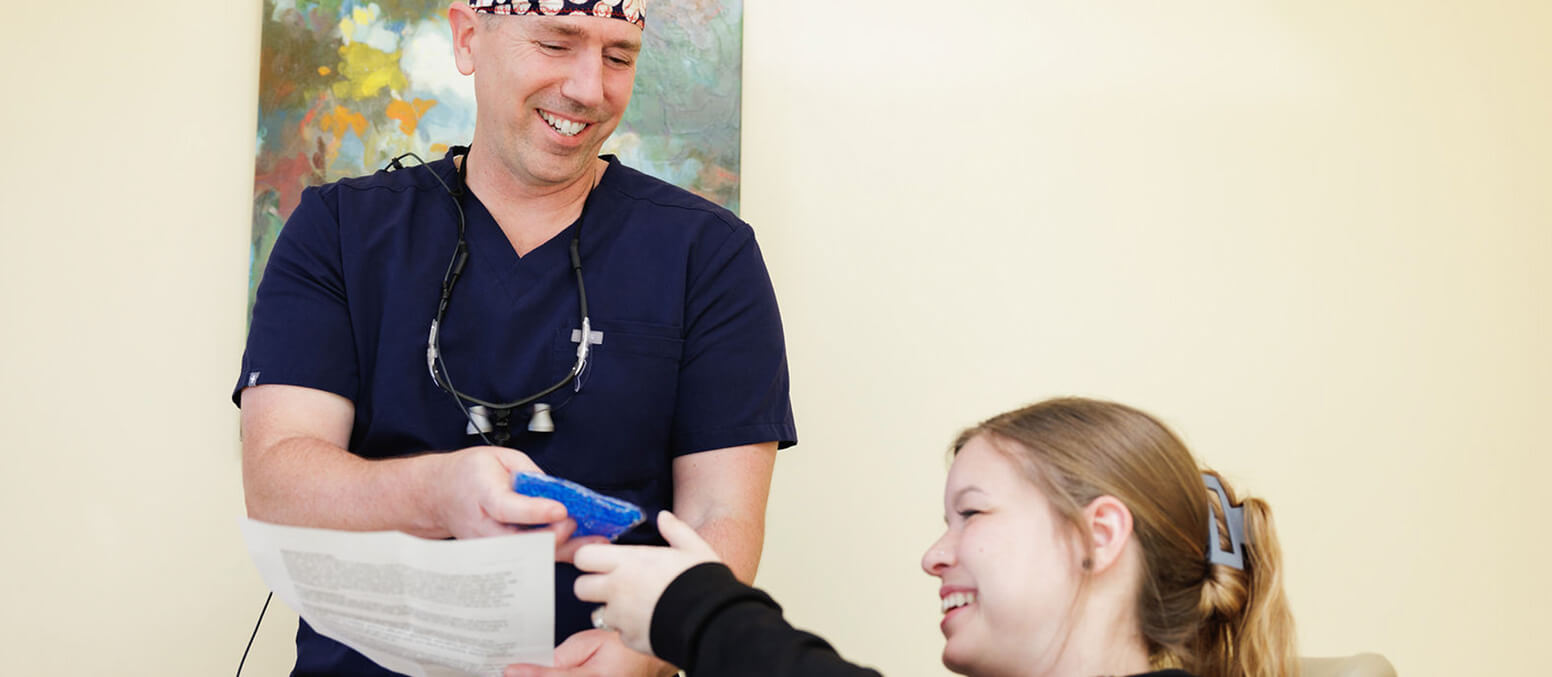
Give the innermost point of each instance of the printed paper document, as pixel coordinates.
(421, 607)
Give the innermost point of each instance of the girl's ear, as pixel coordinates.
(1110, 527)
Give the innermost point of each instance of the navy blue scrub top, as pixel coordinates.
(692, 357)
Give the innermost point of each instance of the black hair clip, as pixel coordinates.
(1235, 516)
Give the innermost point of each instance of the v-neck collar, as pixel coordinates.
(490, 249)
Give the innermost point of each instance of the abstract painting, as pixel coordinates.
(347, 85)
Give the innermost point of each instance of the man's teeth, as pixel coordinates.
(957, 600)
(565, 127)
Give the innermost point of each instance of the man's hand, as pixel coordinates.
(471, 497)
(629, 579)
(594, 653)
(470, 493)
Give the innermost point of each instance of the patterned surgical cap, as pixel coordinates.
(634, 11)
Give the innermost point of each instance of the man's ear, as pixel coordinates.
(1110, 527)
(464, 22)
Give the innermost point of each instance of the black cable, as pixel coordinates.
(450, 278)
(438, 367)
(255, 633)
(439, 372)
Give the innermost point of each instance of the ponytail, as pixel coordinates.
(1246, 627)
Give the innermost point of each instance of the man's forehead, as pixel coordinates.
(633, 11)
(557, 27)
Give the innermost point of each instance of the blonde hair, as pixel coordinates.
(1211, 619)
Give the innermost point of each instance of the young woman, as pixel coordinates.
(1083, 539)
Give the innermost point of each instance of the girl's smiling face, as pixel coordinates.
(1009, 564)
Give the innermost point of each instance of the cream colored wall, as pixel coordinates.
(1313, 237)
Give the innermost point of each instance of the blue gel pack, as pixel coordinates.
(595, 513)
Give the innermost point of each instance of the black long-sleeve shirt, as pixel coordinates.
(714, 626)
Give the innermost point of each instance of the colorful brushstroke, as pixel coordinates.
(346, 85)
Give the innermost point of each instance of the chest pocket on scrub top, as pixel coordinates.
(625, 404)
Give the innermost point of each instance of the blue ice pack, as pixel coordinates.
(595, 513)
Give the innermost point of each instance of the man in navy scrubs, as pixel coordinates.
(683, 397)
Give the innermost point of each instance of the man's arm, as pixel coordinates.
(722, 494)
(297, 471)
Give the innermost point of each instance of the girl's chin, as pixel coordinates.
(957, 661)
